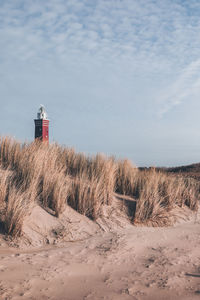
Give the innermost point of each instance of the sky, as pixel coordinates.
(120, 77)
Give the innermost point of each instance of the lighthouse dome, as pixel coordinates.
(42, 113)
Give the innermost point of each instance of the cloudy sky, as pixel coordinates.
(116, 76)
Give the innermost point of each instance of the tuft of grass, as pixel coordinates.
(87, 196)
(93, 183)
(159, 193)
(126, 177)
(55, 191)
(104, 170)
(9, 152)
(17, 207)
(4, 186)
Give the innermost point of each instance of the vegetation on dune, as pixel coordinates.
(87, 196)
(126, 177)
(55, 176)
(159, 193)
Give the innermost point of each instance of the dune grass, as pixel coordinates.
(56, 176)
(126, 177)
(17, 208)
(87, 196)
(159, 194)
(4, 179)
(52, 176)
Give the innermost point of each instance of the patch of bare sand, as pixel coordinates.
(42, 228)
(108, 260)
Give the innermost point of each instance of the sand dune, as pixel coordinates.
(110, 259)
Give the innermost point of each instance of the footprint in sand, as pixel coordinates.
(106, 278)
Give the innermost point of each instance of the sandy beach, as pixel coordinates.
(126, 262)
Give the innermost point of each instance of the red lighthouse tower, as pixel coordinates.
(42, 125)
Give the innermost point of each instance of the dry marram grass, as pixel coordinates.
(56, 176)
(158, 194)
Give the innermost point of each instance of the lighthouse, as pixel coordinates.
(42, 125)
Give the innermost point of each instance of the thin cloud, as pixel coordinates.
(142, 30)
(186, 86)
